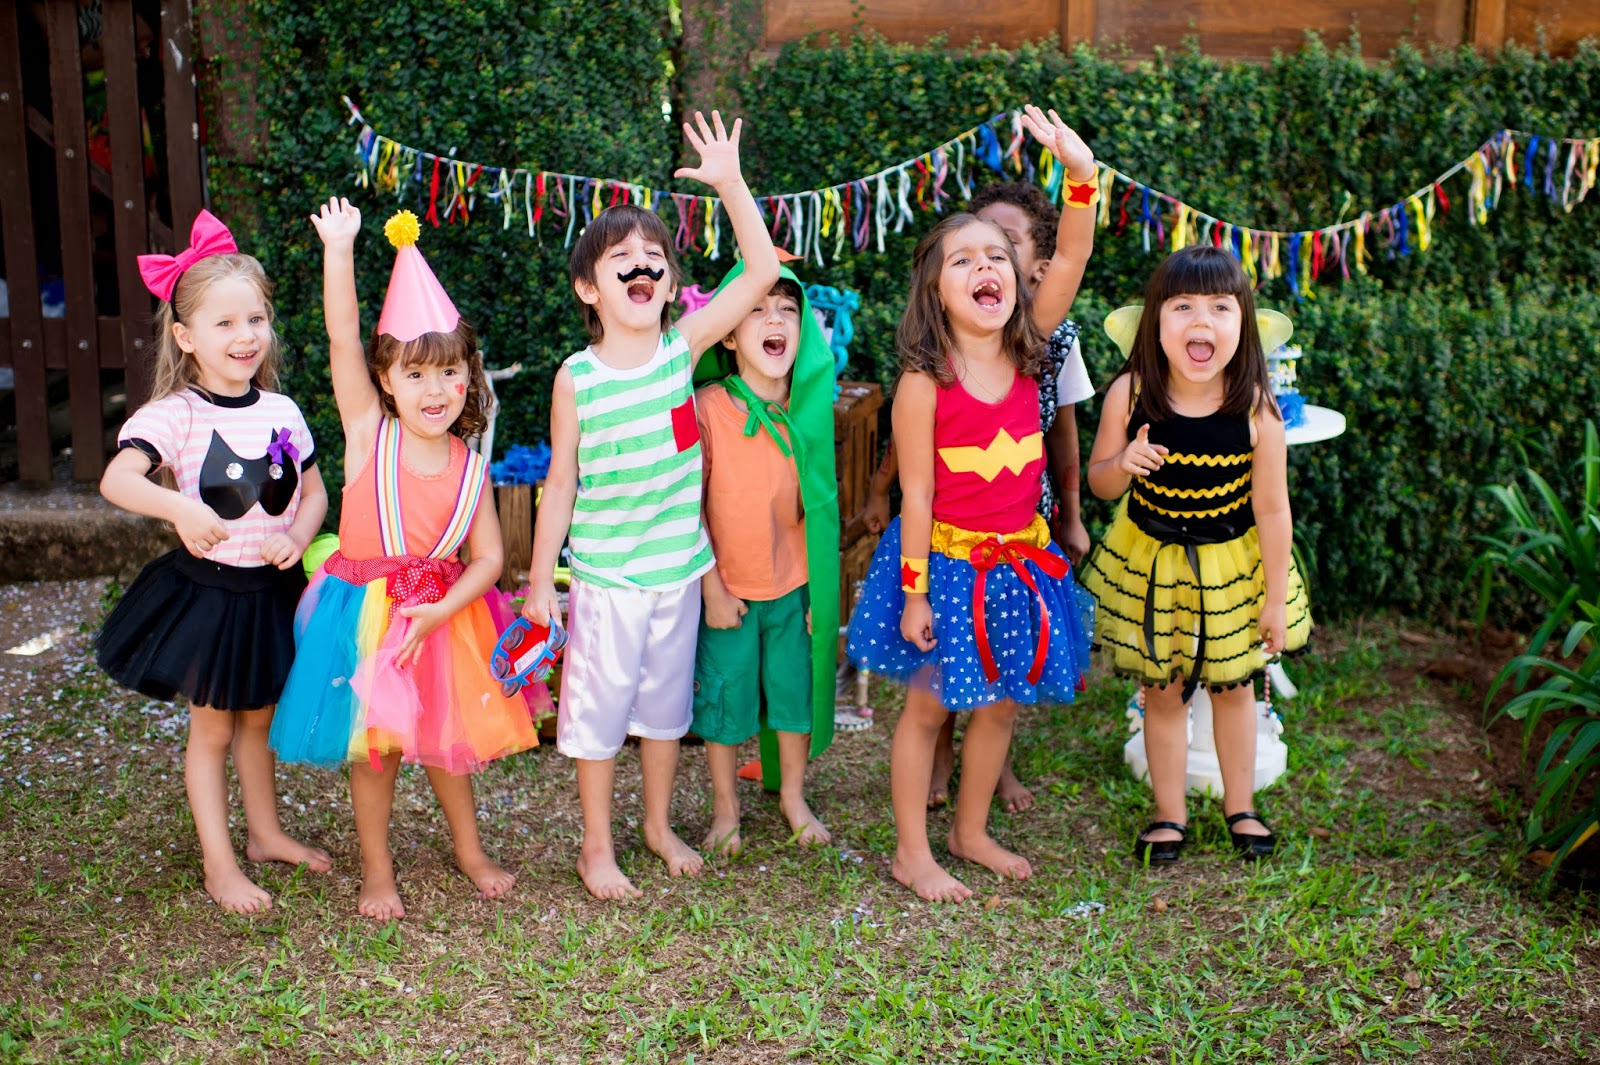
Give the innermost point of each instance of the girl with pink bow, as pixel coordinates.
(213, 621)
(396, 631)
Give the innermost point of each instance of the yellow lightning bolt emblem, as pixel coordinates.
(1003, 453)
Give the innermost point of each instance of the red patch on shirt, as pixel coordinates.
(685, 430)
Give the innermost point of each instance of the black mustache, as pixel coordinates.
(641, 271)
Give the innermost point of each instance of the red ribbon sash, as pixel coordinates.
(986, 556)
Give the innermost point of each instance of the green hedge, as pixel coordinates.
(1444, 362)
(568, 86)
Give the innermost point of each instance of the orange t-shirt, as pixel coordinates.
(753, 512)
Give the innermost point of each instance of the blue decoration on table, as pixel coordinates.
(836, 305)
(1292, 405)
(522, 464)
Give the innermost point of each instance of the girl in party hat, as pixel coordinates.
(214, 621)
(395, 631)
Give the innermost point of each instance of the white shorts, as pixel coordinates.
(628, 669)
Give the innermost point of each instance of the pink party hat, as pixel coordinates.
(415, 303)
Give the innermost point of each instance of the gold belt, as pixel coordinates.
(952, 541)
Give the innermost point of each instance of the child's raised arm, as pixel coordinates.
(719, 168)
(1052, 300)
(338, 223)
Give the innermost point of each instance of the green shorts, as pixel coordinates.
(767, 659)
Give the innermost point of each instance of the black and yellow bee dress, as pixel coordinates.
(1178, 576)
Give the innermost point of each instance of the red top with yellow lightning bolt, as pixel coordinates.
(989, 458)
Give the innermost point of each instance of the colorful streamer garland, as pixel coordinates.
(861, 212)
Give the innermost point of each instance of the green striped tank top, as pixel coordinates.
(636, 519)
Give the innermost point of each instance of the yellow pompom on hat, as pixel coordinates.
(416, 303)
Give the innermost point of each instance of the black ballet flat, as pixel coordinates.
(1250, 847)
(1164, 851)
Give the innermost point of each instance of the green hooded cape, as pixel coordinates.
(811, 415)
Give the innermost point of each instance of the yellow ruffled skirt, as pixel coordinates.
(1137, 579)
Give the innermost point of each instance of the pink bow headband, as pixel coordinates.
(208, 237)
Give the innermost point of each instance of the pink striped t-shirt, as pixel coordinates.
(242, 456)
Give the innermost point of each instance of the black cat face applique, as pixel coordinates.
(231, 484)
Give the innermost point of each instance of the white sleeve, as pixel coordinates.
(1072, 381)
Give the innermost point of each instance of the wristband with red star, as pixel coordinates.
(1080, 193)
(914, 575)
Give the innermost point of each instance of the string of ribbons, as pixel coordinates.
(861, 212)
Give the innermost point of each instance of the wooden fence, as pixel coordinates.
(106, 195)
(1223, 27)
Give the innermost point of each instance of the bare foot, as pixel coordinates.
(235, 892)
(944, 764)
(603, 878)
(985, 851)
(928, 879)
(491, 881)
(379, 898)
(724, 838)
(681, 859)
(285, 848)
(808, 831)
(1012, 792)
(1250, 826)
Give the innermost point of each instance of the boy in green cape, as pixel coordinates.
(770, 623)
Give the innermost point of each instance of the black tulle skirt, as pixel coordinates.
(222, 636)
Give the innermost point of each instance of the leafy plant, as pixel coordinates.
(1552, 552)
(1555, 558)
(1569, 766)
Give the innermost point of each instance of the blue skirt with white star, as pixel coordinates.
(1011, 617)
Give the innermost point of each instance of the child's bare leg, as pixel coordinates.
(597, 861)
(944, 763)
(658, 764)
(205, 777)
(253, 761)
(794, 751)
(910, 773)
(1012, 791)
(372, 796)
(1233, 724)
(723, 761)
(1166, 745)
(983, 752)
(454, 793)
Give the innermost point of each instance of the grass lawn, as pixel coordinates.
(1399, 921)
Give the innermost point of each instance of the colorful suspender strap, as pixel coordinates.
(391, 530)
(467, 496)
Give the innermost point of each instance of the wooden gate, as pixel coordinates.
(100, 153)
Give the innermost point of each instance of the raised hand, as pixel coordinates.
(1142, 458)
(719, 151)
(338, 223)
(1061, 140)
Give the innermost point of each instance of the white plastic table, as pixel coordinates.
(1204, 775)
